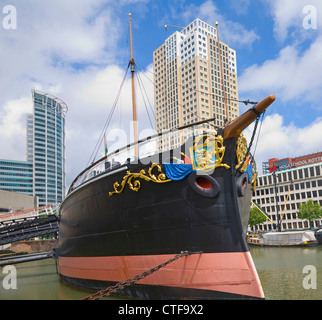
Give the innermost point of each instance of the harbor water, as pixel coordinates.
(289, 273)
(285, 273)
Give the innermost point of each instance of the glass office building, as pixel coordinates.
(46, 147)
(16, 176)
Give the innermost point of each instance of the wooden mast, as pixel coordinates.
(132, 63)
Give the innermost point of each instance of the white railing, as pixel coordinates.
(147, 147)
(28, 213)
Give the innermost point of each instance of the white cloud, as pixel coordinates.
(90, 98)
(71, 31)
(289, 15)
(285, 13)
(291, 76)
(231, 32)
(13, 115)
(68, 49)
(96, 93)
(277, 140)
(54, 36)
(13, 128)
(294, 75)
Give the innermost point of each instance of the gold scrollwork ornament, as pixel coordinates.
(241, 153)
(136, 184)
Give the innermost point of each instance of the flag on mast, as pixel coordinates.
(105, 145)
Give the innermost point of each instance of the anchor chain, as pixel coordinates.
(120, 285)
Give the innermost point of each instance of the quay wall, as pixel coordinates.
(33, 246)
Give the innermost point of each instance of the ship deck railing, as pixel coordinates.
(148, 147)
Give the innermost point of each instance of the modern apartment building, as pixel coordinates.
(195, 79)
(297, 181)
(46, 147)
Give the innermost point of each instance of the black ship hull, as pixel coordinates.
(133, 217)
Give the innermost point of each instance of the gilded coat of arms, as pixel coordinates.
(208, 152)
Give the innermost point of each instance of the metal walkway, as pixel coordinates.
(28, 224)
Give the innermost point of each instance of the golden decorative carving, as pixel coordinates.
(208, 152)
(136, 184)
(241, 153)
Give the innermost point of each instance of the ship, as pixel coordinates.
(184, 210)
(318, 235)
(294, 238)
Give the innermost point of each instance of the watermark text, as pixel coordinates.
(9, 17)
(10, 280)
(309, 281)
(310, 20)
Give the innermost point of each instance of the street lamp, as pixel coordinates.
(274, 169)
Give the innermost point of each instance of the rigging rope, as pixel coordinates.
(141, 86)
(169, 97)
(96, 148)
(260, 128)
(150, 105)
(252, 138)
(246, 102)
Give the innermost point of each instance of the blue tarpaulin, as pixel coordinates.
(250, 172)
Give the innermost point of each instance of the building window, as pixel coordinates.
(300, 174)
(306, 173)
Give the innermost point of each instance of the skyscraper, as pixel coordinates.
(46, 147)
(194, 80)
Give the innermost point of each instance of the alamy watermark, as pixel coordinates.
(311, 18)
(9, 17)
(9, 282)
(309, 281)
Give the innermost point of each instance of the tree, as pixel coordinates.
(309, 211)
(255, 217)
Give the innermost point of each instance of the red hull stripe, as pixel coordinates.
(226, 272)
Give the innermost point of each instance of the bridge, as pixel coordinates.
(26, 224)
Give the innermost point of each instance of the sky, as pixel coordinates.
(78, 51)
